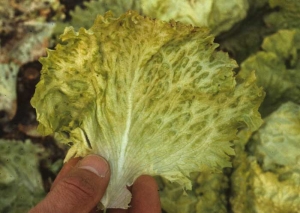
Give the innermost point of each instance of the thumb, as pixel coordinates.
(80, 190)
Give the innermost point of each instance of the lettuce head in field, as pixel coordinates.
(267, 176)
(151, 97)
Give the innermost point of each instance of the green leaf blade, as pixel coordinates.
(149, 96)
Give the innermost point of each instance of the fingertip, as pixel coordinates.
(67, 167)
(95, 164)
(145, 196)
(146, 180)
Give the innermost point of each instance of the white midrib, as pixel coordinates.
(124, 140)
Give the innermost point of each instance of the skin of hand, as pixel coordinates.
(81, 184)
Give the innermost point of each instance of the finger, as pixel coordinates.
(80, 190)
(65, 170)
(145, 197)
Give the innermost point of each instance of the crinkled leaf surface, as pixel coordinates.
(216, 14)
(286, 15)
(21, 185)
(84, 17)
(279, 138)
(277, 68)
(151, 97)
(267, 179)
(208, 195)
(255, 190)
(8, 94)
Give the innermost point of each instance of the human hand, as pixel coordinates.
(81, 184)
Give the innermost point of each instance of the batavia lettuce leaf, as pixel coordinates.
(84, 17)
(218, 15)
(151, 97)
(208, 194)
(267, 176)
(215, 14)
(278, 69)
(286, 15)
(21, 185)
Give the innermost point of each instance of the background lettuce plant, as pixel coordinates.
(21, 185)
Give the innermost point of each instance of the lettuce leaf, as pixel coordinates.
(267, 177)
(8, 94)
(277, 68)
(263, 19)
(218, 15)
(245, 38)
(278, 136)
(215, 14)
(21, 185)
(285, 16)
(208, 194)
(151, 97)
(83, 17)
